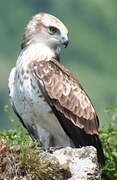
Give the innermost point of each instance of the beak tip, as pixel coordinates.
(66, 42)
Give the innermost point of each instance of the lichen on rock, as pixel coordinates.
(79, 163)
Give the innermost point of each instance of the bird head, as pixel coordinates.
(47, 29)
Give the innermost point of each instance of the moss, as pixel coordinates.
(19, 158)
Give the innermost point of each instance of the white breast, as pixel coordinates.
(34, 110)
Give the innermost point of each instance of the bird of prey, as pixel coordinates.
(49, 101)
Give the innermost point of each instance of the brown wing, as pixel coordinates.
(70, 104)
(66, 94)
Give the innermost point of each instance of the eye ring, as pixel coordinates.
(52, 30)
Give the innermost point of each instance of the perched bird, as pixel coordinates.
(49, 101)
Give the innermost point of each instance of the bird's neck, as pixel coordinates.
(37, 51)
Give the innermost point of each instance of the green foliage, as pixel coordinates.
(14, 137)
(109, 141)
(16, 146)
(19, 157)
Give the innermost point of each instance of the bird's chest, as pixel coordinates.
(29, 96)
(34, 110)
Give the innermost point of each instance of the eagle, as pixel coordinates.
(51, 104)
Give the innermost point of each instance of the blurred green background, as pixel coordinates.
(91, 54)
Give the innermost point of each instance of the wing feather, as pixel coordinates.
(66, 94)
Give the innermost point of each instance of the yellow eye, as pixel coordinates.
(52, 30)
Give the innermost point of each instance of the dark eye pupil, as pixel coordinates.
(53, 29)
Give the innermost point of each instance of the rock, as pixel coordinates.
(79, 163)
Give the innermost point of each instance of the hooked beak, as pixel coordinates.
(65, 41)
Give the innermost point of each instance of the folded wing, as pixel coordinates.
(70, 103)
